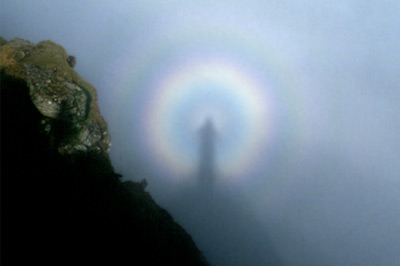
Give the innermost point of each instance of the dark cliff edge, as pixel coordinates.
(61, 200)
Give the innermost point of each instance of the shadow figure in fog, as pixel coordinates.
(207, 155)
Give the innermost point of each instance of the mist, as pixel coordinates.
(299, 135)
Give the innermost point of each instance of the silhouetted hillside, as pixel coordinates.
(62, 202)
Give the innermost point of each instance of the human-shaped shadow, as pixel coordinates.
(207, 154)
(214, 211)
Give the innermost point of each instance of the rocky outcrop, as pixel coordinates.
(67, 103)
(62, 202)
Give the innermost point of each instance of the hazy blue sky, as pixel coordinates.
(306, 103)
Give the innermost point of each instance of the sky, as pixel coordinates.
(304, 98)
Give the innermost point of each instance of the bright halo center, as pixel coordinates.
(188, 96)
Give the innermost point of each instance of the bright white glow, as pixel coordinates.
(200, 89)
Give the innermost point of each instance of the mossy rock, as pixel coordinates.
(46, 68)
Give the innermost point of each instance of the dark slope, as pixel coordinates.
(74, 209)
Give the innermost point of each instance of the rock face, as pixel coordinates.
(58, 93)
(62, 202)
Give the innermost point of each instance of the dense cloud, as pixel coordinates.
(325, 188)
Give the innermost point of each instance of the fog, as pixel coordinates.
(305, 108)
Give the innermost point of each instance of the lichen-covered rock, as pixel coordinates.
(68, 104)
